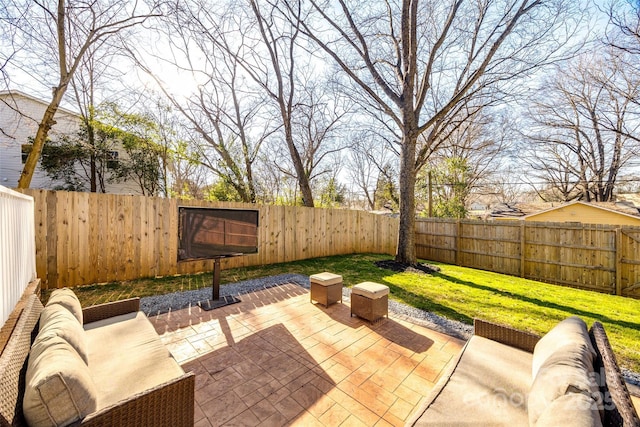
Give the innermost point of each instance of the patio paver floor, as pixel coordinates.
(276, 359)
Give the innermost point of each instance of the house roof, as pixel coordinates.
(625, 210)
(13, 92)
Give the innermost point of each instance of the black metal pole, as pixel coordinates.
(216, 279)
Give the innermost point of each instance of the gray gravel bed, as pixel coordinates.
(178, 300)
(158, 304)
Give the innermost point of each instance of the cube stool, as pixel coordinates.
(370, 301)
(326, 288)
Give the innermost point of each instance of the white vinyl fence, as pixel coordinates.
(17, 248)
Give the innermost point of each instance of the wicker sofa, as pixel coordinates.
(509, 377)
(122, 375)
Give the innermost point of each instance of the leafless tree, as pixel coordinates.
(224, 112)
(10, 20)
(419, 63)
(317, 127)
(469, 159)
(585, 128)
(624, 17)
(254, 35)
(367, 159)
(93, 72)
(255, 87)
(58, 33)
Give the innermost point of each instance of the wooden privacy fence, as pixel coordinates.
(84, 238)
(596, 257)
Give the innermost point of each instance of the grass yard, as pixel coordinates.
(455, 292)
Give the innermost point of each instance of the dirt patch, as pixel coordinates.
(399, 267)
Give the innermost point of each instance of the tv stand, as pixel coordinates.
(216, 301)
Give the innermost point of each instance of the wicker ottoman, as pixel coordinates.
(326, 288)
(370, 301)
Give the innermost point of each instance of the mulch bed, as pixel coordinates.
(399, 267)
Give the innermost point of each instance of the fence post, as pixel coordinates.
(522, 246)
(458, 233)
(618, 261)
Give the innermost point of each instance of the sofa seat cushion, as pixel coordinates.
(488, 386)
(126, 356)
(59, 389)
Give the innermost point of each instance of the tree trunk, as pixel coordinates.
(303, 179)
(92, 146)
(406, 252)
(41, 136)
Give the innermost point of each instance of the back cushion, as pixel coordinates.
(572, 409)
(570, 332)
(57, 320)
(59, 388)
(68, 299)
(567, 371)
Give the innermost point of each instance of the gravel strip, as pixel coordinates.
(158, 304)
(178, 300)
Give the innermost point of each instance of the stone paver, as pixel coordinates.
(276, 359)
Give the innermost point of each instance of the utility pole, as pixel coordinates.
(430, 195)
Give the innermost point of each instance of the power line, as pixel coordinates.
(485, 183)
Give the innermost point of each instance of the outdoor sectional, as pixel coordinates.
(100, 366)
(504, 376)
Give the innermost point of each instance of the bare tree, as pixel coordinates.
(419, 62)
(469, 158)
(367, 159)
(264, 46)
(226, 116)
(255, 86)
(624, 16)
(93, 72)
(317, 126)
(61, 32)
(585, 128)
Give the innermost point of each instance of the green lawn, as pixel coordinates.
(455, 292)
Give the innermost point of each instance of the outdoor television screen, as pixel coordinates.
(205, 233)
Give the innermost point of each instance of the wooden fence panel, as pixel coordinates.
(84, 238)
(601, 258)
(41, 223)
(436, 240)
(629, 262)
(574, 255)
(490, 246)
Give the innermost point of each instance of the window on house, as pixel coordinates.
(25, 149)
(112, 159)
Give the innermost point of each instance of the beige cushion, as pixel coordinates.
(370, 290)
(571, 410)
(325, 279)
(487, 388)
(66, 298)
(127, 357)
(59, 389)
(572, 332)
(57, 320)
(568, 370)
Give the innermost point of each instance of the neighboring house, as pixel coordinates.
(587, 213)
(20, 115)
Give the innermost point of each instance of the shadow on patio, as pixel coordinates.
(276, 359)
